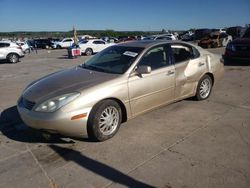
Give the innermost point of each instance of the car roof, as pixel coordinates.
(148, 43)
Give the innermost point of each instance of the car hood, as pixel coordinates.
(241, 41)
(63, 82)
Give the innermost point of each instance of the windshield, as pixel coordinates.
(214, 36)
(115, 59)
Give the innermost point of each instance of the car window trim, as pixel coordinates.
(167, 51)
(185, 45)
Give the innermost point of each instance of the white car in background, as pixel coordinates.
(10, 51)
(24, 45)
(89, 47)
(172, 36)
(161, 37)
(64, 43)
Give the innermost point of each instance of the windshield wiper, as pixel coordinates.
(91, 67)
(94, 68)
(84, 66)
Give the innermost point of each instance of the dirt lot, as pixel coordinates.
(185, 144)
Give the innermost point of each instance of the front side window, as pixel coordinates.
(68, 40)
(156, 57)
(223, 35)
(114, 59)
(83, 42)
(98, 42)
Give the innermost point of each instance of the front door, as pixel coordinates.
(151, 90)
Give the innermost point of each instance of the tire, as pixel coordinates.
(13, 58)
(27, 51)
(204, 88)
(104, 120)
(58, 47)
(88, 51)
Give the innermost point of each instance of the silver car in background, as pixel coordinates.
(117, 84)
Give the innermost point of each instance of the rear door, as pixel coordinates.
(98, 45)
(148, 91)
(189, 68)
(3, 50)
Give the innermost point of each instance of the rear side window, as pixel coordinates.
(184, 52)
(196, 53)
(2, 45)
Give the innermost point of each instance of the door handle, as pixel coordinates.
(201, 64)
(170, 72)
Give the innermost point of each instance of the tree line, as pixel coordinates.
(63, 34)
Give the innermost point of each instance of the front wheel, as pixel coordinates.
(204, 88)
(13, 58)
(104, 120)
(89, 51)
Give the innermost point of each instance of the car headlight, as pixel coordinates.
(230, 47)
(55, 103)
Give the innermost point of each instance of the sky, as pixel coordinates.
(126, 15)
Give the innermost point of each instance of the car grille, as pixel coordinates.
(26, 103)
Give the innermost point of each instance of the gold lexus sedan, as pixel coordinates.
(117, 84)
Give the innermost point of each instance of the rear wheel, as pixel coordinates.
(204, 88)
(88, 51)
(104, 120)
(27, 51)
(13, 58)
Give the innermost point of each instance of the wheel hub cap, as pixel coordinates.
(205, 88)
(109, 120)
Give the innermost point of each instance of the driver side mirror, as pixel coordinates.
(143, 69)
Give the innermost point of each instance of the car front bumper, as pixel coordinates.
(56, 122)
